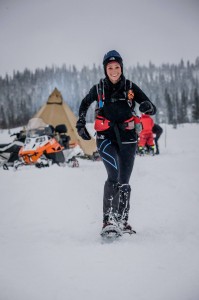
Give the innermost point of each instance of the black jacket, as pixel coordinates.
(116, 111)
(157, 129)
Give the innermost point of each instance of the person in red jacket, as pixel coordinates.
(146, 135)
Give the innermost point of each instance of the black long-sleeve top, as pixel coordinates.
(118, 111)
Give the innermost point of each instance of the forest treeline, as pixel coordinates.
(174, 89)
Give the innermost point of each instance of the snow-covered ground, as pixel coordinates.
(50, 220)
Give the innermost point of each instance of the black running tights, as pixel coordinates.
(118, 162)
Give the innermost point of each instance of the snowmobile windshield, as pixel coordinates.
(37, 127)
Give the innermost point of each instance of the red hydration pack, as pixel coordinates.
(102, 123)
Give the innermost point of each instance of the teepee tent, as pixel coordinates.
(56, 112)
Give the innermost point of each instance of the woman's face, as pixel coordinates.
(114, 71)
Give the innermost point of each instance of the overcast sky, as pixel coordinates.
(37, 33)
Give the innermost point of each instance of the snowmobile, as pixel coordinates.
(71, 150)
(9, 152)
(41, 147)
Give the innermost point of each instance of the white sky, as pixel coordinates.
(45, 32)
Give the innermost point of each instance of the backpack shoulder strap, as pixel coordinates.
(100, 93)
(127, 86)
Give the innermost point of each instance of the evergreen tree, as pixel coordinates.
(195, 106)
(173, 88)
(169, 107)
(183, 108)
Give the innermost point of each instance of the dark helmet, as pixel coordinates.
(112, 56)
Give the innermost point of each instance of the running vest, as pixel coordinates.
(102, 123)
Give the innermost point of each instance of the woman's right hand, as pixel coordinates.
(82, 131)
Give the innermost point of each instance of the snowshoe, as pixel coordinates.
(126, 227)
(110, 229)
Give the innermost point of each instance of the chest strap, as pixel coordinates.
(113, 100)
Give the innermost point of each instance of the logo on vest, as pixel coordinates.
(130, 95)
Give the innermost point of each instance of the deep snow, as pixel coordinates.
(50, 220)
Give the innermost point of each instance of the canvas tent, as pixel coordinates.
(56, 112)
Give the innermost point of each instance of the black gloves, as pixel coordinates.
(146, 107)
(82, 131)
